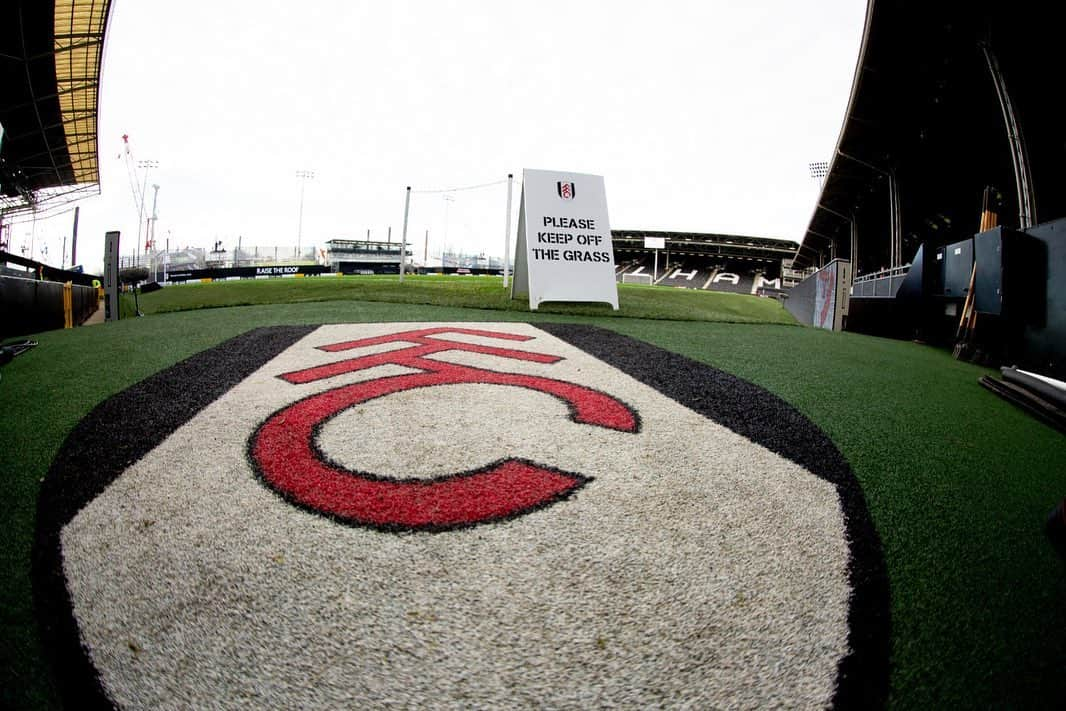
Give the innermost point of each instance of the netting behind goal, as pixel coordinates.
(636, 279)
(462, 226)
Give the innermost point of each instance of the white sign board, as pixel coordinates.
(654, 243)
(564, 250)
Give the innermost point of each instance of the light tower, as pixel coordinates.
(448, 200)
(150, 238)
(819, 171)
(304, 176)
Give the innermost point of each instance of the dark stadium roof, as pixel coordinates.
(924, 108)
(709, 244)
(50, 54)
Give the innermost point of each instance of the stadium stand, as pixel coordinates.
(709, 261)
(687, 275)
(363, 256)
(766, 286)
(50, 54)
(638, 265)
(49, 70)
(963, 104)
(732, 281)
(758, 268)
(947, 180)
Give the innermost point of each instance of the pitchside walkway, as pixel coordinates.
(96, 316)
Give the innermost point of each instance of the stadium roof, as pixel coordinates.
(709, 244)
(50, 57)
(933, 87)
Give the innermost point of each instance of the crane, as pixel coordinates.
(131, 173)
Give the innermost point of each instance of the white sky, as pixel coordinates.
(701, 116)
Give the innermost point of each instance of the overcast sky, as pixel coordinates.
(701, 116)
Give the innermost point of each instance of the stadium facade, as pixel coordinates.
(945, 102)
(50, 61)
(946, 190)
(710, 261)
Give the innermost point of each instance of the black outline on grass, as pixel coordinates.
(114, 435)
(127, 426)
(863, 674)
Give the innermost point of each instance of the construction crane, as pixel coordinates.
(131, 172)
(137, 191)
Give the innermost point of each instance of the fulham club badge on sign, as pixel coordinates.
(564, 251)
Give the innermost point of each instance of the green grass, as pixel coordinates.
(958, 482)
(635, 301)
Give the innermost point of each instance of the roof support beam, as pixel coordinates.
(853, 227)
(895, 221)
(1023, 177)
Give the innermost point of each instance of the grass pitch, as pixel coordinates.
(635, 301)
(958, 482)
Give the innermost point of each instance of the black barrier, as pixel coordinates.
(47, 272)
(246, 272)
(347, 268)
(367, 268)
(30, 306)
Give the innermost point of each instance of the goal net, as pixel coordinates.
(462, 227)
(636, 279)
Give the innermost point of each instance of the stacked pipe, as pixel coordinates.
(1045, 399)
(1039, 395)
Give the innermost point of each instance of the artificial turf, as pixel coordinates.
(635, 301)
(958, 483)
